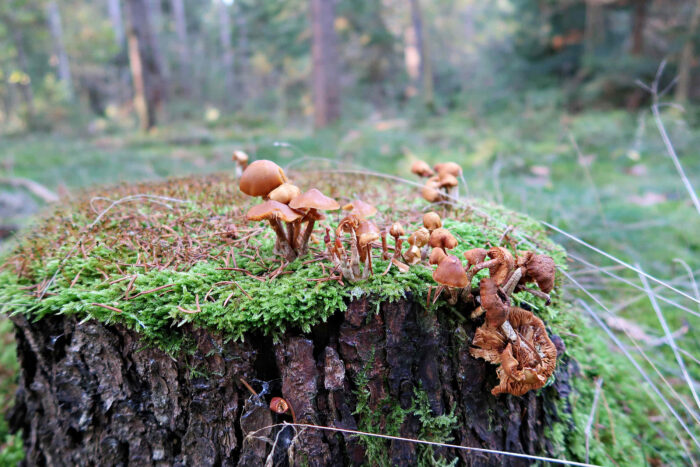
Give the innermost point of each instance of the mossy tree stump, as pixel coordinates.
(137, 337)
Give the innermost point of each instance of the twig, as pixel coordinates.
(102, 305)
(35, 188)
(146, 292)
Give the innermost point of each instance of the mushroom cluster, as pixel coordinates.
(442, 181)
(284, 207)
(510, 336)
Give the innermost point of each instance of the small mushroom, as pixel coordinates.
(397, 232)
(284, 193)
(360, 209)
(241, 160)
(432, 221)
(451, 275)
(437, 255)
(275, 213)
(367, 232)
(539, 269)
(422, 169)
(475, 256)
(501, 265)
(261, 177)
(449, 184)
(448, 168)
(431, 191)
(312, 201)
(442, 238)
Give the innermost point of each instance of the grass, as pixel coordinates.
(520, 156)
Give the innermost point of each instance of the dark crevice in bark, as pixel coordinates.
(92, 393)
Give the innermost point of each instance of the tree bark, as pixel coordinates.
(56, 29)
(687, 58)
(226, 50)
(148, 80)
(426, 72)
(183, 46)
(639, 22)
(325, 79)
(25, 88)
(90, 392)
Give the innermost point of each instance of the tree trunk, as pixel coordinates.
(687, 58)
(226, 50)
(115, 17)
(25, 88)
(90, 393)
(183, 46)
(243, 52)
(594, 32)
(639, 22)
(56, 29)
(148, 81)
(326, 86)
(426, 72)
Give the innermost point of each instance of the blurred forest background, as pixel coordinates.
(540, 101)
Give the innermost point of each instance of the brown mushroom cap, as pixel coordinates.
(437, 255)
(422, 169)
(451, 273)
(475, 256)
(240, 157)
(496, 310)
(261, 177)
(396, 230)
(284, 193)
(360, 209)
(314, 199)
(450, 168)
(539, 269)
(272, 210)
(521, 370)
(432, 221)
(431, 190)
(504, 266)
(421, 237)
(447, 181)
(442, 238)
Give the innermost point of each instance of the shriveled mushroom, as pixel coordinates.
(539, 269)
(500, 265)
(261, 177)
(475, 256)
(422, 169)
(312, 202)
(522, 367)
(275, 213)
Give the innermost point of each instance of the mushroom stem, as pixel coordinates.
(454, 296)
(385, 249)
(398, 242)
(290, 235)
(513, 280)
(286, 250)
(304, 243)
(354, 255)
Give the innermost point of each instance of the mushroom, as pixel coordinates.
(500, 265)
(312, 201)
(522, 367)
(274, 212)
(475, 256)
(422, 169)
(451, 275)
(442, 238)
(450, 184)
(366, 232)
(437, 255)
(241, 160)
(539, 269)
(360, 209)
(431, 190)
(284, 193)
(496, 309)
(448, 168)
(397, 232)
(432, 221)
(261, 177)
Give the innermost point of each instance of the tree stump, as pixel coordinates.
(92, 394)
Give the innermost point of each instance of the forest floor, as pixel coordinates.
(602, 176)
